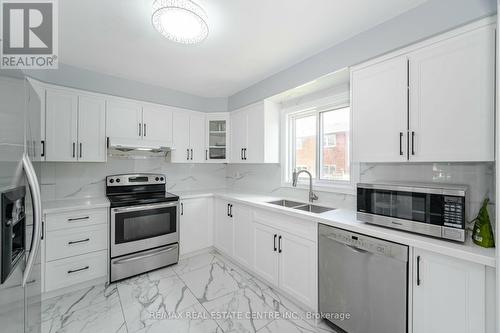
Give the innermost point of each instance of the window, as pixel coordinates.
(319, 143)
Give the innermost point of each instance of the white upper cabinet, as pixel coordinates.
(123, 120)
(432, 103)
(75, 127)
(255, 134)
(91, 129)
(217, 138)
(448, 294)
(157, 124)
(61, 125)
(452, 99)
(188, 137)
(379, 104)
(197, 137)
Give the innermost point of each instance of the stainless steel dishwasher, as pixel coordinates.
(363, 282)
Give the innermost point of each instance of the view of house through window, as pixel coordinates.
(321, 144)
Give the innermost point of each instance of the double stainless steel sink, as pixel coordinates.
(301, 206)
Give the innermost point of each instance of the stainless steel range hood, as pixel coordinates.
(137, 149)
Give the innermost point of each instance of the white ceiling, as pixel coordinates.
(249, 40)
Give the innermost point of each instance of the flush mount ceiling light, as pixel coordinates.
(181, 21)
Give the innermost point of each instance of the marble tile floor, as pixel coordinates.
(201, 294)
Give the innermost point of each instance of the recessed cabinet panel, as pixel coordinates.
(452, 99)
(195, 225)
(243, 235)
(181, 152)
(61, 126)
(157, 124)
(448, 294)
(379, 112)
(124, 120)
(224, 236)
(265, 252)
(91, 129)
(197, 138)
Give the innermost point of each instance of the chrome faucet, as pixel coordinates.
(312, 195)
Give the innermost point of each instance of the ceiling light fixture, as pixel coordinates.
(181, 21)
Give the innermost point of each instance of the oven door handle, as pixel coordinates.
(147, 255)
(144, 207)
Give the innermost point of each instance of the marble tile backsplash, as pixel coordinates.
(78, 180)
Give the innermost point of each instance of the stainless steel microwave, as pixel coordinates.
(436, 210)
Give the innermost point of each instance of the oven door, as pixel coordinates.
(139, 228)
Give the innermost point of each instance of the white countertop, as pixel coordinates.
(340, 218)
(346, 219)
(65, 205)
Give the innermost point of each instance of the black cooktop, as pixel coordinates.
(137, 189)
(122, 200)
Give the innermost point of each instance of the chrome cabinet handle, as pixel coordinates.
(79, 241)
(279, 244)
(78, 218)
(78, 270)
(36, 199)
(275, 235)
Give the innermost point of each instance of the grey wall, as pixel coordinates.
(70, 76)
(426, 20)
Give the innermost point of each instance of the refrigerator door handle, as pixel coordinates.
(37, 215)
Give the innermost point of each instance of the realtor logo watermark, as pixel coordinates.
(29, 34)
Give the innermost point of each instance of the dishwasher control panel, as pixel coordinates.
(365, 243)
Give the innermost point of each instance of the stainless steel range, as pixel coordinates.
(144, 222)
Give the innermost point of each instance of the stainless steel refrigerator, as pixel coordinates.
(21, 211)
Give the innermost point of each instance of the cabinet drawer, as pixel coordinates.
(74, 270)
(77, 218)
(72, 242)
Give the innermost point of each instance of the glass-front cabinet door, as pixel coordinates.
(217, 138)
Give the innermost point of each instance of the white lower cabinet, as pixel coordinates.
(223, 238)
(265, 252)
(195, 225)
(75, 247)
(242, 233)
(297, 267)
(286, 260)
(448, 294)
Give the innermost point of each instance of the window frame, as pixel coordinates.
(316, 107)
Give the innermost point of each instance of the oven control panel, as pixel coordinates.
(138, 179)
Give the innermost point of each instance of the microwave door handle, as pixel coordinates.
(37, 215)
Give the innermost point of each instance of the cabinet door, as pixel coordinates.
(243, 240)
(265, 252)
(217, 138)
(223, 227)
(61, 125)
(123, 120)
(91, 129)
(297, 272)
(452, 99)
(195, 227)
(197, 138)
(255, 138)
(379, 111)
(157, 124)
(448, 294)
(180, 137)
(238, 135)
